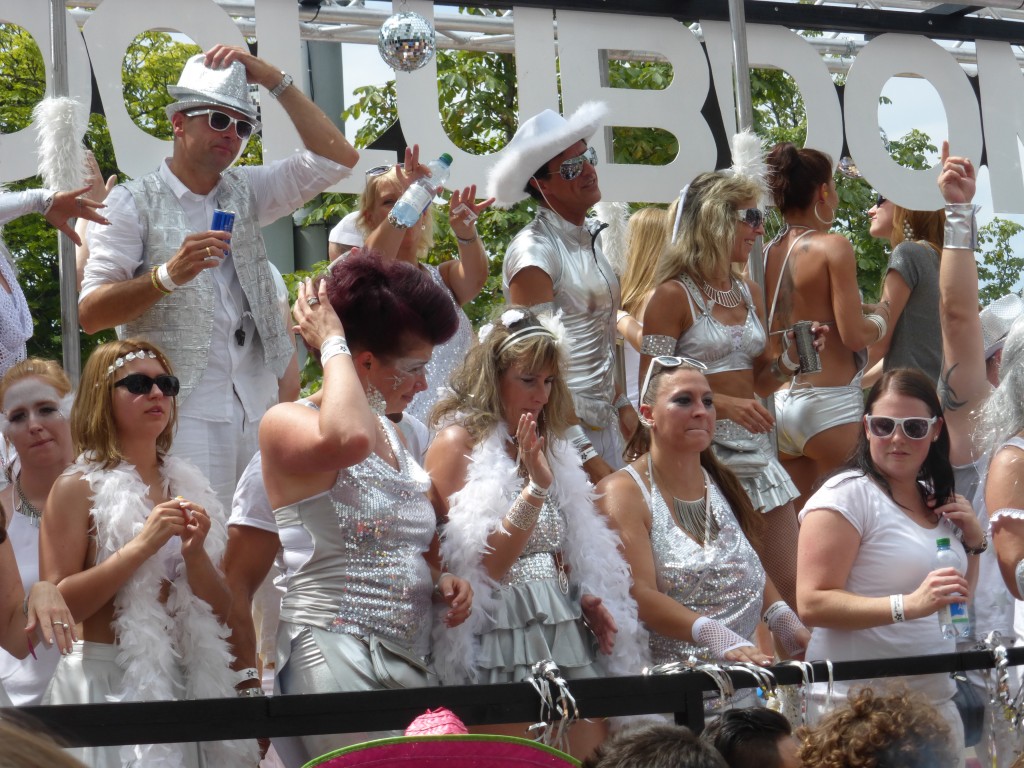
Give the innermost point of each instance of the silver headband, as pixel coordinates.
(524, 333)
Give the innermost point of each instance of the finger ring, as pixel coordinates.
(79, 201)
(312, 301)
(65, 624)
(207, 251)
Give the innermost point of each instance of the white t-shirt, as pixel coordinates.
(894, 557)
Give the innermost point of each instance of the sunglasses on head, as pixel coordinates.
(754, 217)
(220, 122)
(378, 170)
(141, 384)
(667, 361)
(914, 427)
(573, 167)
(880, 201)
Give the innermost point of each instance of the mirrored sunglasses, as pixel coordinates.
(914, 427)
(573, 167)
(667, 361)
(752, 216)
(378, 170)
(141, 384)
(220, 122)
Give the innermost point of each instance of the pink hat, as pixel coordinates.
(456, 751)
(439, 738)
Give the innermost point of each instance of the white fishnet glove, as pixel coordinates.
(786, 627)
(716, 637)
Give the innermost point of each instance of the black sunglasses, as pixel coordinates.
(880, 201)
(220, 122)
(141, 384)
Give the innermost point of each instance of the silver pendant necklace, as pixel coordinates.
(728, 299)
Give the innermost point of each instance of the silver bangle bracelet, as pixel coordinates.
(880, 323)
(961, 230)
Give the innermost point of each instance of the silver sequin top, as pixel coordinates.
(366, 573)
(537, 559)
(723, 580)
(445, 359)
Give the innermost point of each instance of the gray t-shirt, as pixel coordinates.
(917, 337)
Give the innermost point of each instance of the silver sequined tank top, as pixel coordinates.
(723, 580)
(366, 573)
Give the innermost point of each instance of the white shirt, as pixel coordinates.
(894, 557)
(116, 254)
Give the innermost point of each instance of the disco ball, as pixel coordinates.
(406, 41)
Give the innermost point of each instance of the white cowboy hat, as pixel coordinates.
(539, 139)
(202, 86)
(997, 319)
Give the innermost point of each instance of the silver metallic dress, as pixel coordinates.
(365, 579)
(538, 614)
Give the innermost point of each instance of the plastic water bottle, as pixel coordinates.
(953, 620)
(418, 196)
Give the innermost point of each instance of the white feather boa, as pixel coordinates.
(591, 553)
(156, 639)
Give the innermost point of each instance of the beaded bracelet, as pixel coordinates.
(523, 514)
(156, 281)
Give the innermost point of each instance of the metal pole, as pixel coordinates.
(65, 246)
(745, 120)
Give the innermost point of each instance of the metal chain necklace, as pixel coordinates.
(27, 508)
(728, 299)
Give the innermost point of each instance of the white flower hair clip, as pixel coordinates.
(484, 332)
(552, 323)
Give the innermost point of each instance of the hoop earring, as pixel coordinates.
(833, 212)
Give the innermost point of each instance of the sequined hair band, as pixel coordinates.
(140, 354)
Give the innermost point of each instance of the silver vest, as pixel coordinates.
(181, 323)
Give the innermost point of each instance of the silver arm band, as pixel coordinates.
(1018, 576)
(961, 226)
(653, 345)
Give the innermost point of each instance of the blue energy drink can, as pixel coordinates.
(223, 221)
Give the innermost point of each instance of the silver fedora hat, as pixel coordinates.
(201, 86)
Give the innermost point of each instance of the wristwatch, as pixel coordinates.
(286, 80)
(979, 549)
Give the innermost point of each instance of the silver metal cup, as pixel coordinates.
(810, 361)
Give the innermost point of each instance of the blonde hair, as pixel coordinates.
(47, 370)
(475, 397)
(646, 238)
(92, 416)
(27, 745)
(926, 225)
(371, 197)
(707, 233)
